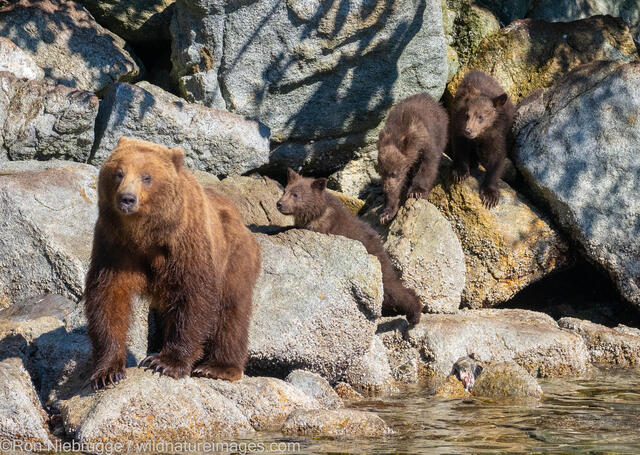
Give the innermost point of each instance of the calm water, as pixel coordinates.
(598, 414)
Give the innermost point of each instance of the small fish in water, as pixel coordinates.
(467, 369)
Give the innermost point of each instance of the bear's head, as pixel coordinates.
(140, 179)
(480, 113)
(395, 157)
(302, 195)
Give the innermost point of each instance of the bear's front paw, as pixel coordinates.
(459, 175)
(489, 197)
(417, 192)
(205, 370)
(387, 215)
(165, 364)
(108, 375)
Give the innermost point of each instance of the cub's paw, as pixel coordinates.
(166, 365)
(416, 192)
(489, 197)
(460, 175)
(205, 370)
(413, 318)
(106, 376)
(387, 215)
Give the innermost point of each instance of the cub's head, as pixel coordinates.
(392, 163)
(140, 178)
(480, 113)
(301, 195)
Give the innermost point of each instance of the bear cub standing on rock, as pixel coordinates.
(160, 234)
(411, 144)
(315, 209)
(480, 128)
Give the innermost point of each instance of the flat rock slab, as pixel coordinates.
(577, 147)
(49, 210)
(41, 120)
(315, 304)
(608, 346)
(67, 43)
(342, 423)
(15, 61)
(214, 140)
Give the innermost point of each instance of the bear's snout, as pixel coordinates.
(279, 205)
(127, 202)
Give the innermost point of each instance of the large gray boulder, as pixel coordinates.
(15, 61)
(41, 120)
(308, 70)
(315, 304)
(66, 42)
(341, 423)
(577, 147)
(213, 140)
(48, 212)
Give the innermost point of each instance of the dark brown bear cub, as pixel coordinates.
(315, 209)
(410, 147)
(160, 234)
(481, 123)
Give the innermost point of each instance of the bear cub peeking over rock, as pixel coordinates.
(410, 147)
(160, 234)
(480, 128)
(315, 209)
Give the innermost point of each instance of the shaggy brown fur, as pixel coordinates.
(480, 128)
(159, 233)
(412, 142)
(315, 209)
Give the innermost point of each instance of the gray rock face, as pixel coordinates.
(618, 346)
(213, 140)
(426, 250)
(21, 415)
(15, 61)
(533, 340)
(342, 423)
(49, 210)
(314, 304)
(371, 373)
(65, 41)
(308, 69)
(578, 151)
(40, 120)
(506, 380)
(315, 386)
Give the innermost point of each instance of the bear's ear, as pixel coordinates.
(405, 142)
(123, 140)
(292, 175)
(319, 184)
(177, 157)
(500, 100)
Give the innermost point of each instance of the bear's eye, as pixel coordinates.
(119, 175)
(467, 115)
(480, 117)
(295, 195)
(146, 179)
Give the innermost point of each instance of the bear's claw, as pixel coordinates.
(460, 175)
(489, 198)
(159, 364)
(104, 380)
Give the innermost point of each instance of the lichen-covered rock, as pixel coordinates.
(213, 140)
(506, 380)
(21, 415)
(424, 248)
(308, 69)
(451, 388)
(608, 346)
(315, 386)
(315, 304)
(531, 54)
(40, 120)
(147, 407)
(48, 213)
(65, 41)
(577, 149)
(371, 374)
(346, 392)
(505, 248)
(533, 340)
(15, 61)
(137, 21)
(342, 423)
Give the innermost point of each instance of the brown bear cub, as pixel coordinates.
(315, 209)
(160, 234)
(410, 147)
(480, 127)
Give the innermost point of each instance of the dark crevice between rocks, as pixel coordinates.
(582, 291)
(156, 58)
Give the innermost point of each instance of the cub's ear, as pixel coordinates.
(500, 100)
(405, 142)
(123, 140)
(177, 156)
(292, 175)
(319, 184)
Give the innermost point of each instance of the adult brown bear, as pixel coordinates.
(159, 233)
